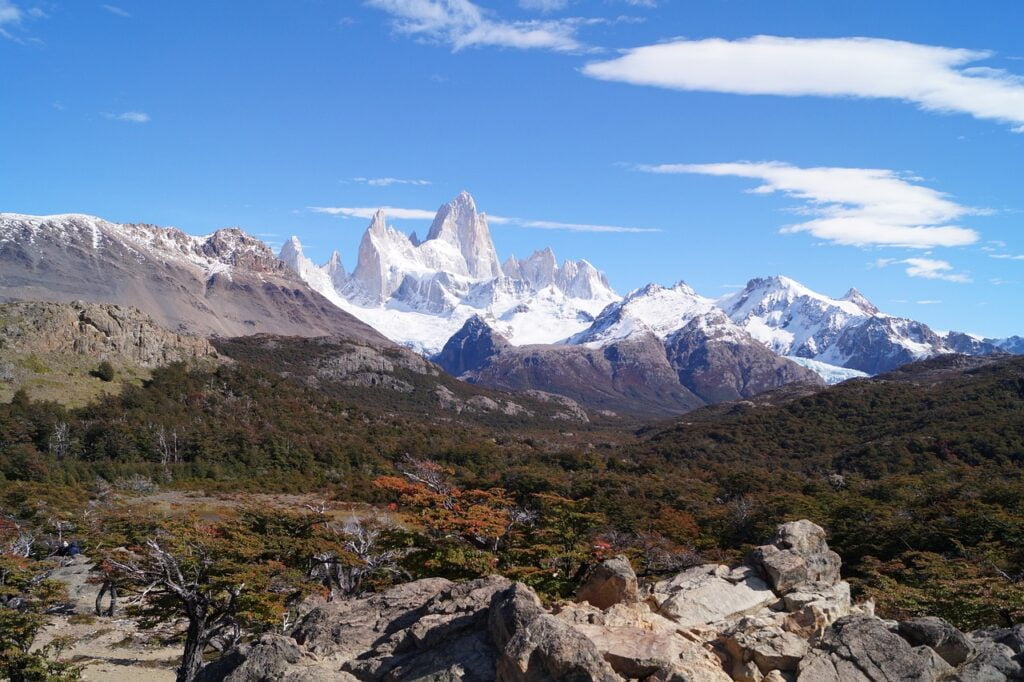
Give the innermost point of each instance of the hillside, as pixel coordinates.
(226, 283)
(52, 350)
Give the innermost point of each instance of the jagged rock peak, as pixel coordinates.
(459, 224)
(854, 296)
(471, 347)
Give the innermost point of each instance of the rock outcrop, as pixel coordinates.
(787, 617)
(100, 330)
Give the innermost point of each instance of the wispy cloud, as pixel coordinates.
(928, 301)
(12, 19)
(1007, 256)
(114, 9)
(367, 212)
(579, 227)
(130, 117)
(932, 77)
(387, 182)
(852, 206)
(927, 268)
(462, 24)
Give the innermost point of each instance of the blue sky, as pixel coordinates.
(891, 163)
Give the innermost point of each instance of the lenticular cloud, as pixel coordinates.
(853, 206)
(935, 78)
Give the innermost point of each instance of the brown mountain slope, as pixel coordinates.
(224, 284)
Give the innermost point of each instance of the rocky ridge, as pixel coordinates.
(100, 330)
(785, 615)
(226, 283)
(708, 360)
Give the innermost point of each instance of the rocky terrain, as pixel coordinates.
(101, 330)
(52, 350)
(784, 615)
(394, 376)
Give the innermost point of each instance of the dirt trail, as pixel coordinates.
(110, 648)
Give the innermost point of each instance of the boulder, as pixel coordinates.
(548, 650)
(345, 629)
(798, 558)
(862, 649)
(511, 610)
(637, 653)
(611, 582)
(767, 646)
(992, 662)
(710, 593)
(938, 665)
(271, 658)
(446, 638)
(952, 645)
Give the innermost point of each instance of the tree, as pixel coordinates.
(26, 595)
(221, 578)
(104, 371)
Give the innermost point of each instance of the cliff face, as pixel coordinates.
(101, 330)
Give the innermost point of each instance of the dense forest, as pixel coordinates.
(916, 474)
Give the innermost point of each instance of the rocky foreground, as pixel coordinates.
(786, 615)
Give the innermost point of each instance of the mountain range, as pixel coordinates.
(521, 324)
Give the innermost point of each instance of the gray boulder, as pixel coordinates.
(611, 582)
(709, 594)
(548, 650)
(799, 558)
(863, 649)
(940, 635)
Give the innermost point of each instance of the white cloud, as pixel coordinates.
(9, 13)
(580, 227)
(1007, 256)
(934, 78)
(114, 9)
(10, 16)
(387, 182)
(130, 117)
(853, 206)
(367, 212)
(927, 268)
(462, 24)
(928, 301)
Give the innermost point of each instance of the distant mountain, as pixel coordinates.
(848, 332)
(708, 360)
(419, 293)
(226, 283)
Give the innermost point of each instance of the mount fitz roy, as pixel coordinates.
(419, 293)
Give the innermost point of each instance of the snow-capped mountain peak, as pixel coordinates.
(854, 296)
(652, 309)
(458, 223)
(420, 292)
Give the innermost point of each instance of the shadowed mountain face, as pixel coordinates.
(706, 362)
(227, 283)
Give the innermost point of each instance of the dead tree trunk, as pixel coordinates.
(110, 589)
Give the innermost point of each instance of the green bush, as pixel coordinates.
(104, 372)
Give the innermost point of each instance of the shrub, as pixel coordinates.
(104, 372)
